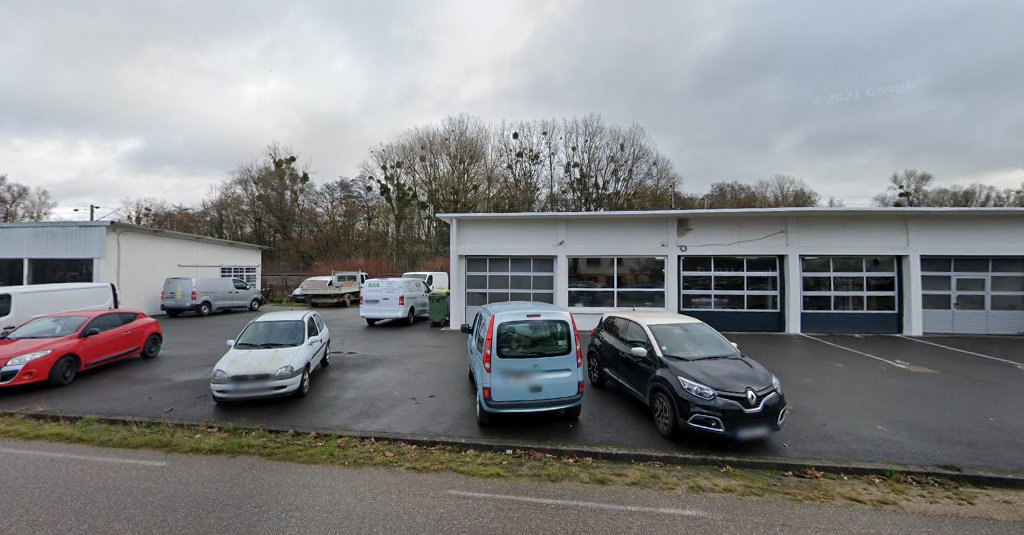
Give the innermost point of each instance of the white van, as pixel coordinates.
(19, 304)
(436, 280)
(392, 298)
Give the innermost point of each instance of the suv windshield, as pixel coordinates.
(51, 327)
(691, 341)
(269, 334)
(533, 338)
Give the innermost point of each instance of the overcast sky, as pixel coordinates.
(101, 100)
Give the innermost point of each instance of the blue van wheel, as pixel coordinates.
(482, 417)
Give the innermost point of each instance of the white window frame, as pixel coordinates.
(863, 274)
(745, 274)
(615, 278)
(953, 274)
(245, 273)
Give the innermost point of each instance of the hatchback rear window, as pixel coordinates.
(533, 338)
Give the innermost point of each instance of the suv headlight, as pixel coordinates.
(284, 371)
(777, 385)
(28, 357)
(697, 389)
(219, 376)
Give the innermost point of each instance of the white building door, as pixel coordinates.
(973, 295)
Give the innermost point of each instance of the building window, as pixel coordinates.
(53, 270)
(12, 272)
(729, 283)
(849, 283)
(608, 282)
(246, 273)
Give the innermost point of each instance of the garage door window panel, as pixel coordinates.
(1003, 302)
(936, 301)
(608, 282)
(729, 283)
(509, 279)
(849, 284)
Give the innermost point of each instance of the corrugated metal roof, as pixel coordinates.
(741, 212)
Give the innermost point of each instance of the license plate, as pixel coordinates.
(752, 433)
(517, 378)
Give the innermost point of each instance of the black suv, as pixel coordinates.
(689, 375)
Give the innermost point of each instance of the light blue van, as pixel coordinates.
(524, 357)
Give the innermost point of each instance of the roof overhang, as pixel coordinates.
(743, 212)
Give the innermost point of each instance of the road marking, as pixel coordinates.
(982, 355)
(81, 457)
(575, 503)
(887, 361)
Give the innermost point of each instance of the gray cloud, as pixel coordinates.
(107, 99)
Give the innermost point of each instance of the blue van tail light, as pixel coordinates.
(487, 346)
(487, 393)
(579, 350)
(581, 387)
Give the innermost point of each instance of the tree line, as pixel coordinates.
(384, 218)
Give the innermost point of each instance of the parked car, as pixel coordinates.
(19, 304)
(55, 347)
(435, 280)
(394, 298)
(299, 294)
(204, 295)
(342, 287)
(688, 374)
(524, 357)
(272, 357)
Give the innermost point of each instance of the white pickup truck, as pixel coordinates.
(342, 287)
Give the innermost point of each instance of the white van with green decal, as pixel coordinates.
(393, 298)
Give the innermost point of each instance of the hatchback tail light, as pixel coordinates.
(401, 300)
(488, 344)
(195, 295)
(579, 350)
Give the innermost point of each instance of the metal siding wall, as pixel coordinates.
(53, 242)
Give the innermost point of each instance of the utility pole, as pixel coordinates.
(92, 211)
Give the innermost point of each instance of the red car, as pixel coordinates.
(54, 348)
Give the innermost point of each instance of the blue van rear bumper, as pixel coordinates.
(540, 405)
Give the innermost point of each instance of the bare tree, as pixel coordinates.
(905, 189)
(19, 202)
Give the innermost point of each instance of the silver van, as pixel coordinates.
(204, 295)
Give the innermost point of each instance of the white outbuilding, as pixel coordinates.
(848, 270)
(136, 259)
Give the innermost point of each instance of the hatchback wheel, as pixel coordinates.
(254, 305)
(204, 309)
(303, 389)
(664, 414)
(63, 371)
(326, 361)
(594, 371)
(152, 347)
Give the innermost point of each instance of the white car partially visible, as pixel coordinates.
(273, 357)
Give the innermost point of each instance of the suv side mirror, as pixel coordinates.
(638, 352)
(734, 344)
(466, 328)
(92, 332)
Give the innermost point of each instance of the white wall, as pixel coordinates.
(138, 263)
(905, 236)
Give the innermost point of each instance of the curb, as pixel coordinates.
(978, 478)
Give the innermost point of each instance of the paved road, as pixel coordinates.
(889, 399)
(77, 489)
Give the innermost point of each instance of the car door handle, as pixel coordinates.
(127, 333)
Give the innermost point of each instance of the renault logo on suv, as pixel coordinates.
(751, 397)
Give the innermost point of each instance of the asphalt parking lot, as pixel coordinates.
(935, 401)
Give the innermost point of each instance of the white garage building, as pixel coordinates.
(852, 270)
(136, 259)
